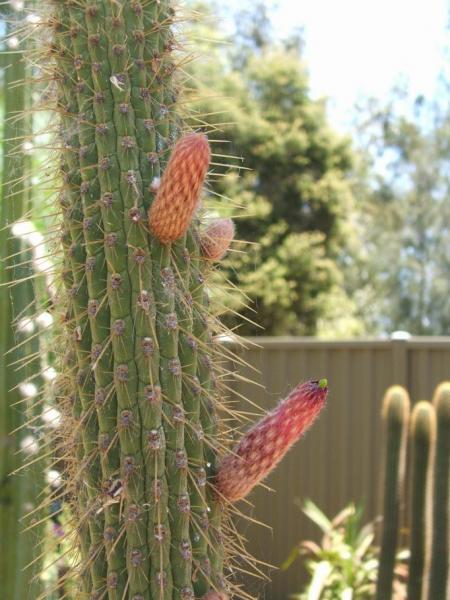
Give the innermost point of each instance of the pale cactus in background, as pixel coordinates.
(426, 496)
(395, 413)
(422, 438)
(21, 355)
(439, 577)
(150, 470)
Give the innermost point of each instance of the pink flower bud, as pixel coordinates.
(216, 239)
(265, 444)
(179, 190)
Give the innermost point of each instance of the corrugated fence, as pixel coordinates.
(340, 459)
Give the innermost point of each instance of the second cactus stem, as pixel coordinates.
(422, 438)
(151, 472)
(440, 524)
(396, 406)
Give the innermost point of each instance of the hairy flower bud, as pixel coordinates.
(216, 239)
(176, 200)
(265, 444)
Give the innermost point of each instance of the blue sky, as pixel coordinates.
(363, 47)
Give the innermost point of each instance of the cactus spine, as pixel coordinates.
(140, 384)
(422, 440)
(396, 415)
(438, 578)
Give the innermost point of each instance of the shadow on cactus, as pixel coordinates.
(150, 471)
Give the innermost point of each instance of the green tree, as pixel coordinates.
(293, 202)
(406, 219)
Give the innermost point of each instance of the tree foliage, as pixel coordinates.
(405, 225)
(293, 202)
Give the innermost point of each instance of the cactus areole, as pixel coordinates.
(152, 474)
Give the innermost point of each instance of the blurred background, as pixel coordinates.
(340, 112)
(330, 124)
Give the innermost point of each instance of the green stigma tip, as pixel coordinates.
(323, 383)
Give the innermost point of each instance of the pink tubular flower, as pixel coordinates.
(265, 444)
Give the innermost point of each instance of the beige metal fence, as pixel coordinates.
(340, 458)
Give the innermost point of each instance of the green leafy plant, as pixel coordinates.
(344, 565)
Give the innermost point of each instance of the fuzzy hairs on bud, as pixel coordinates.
(216, 239)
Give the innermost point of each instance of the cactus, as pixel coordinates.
(438, 578)
(422, 440)
(150, 476)
(396, 416)
(19, 346)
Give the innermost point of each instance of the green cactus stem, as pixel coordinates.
(396, 416)
(140, 387)
(423, 424)
(438, 578)
(126, 305)
(19, 347)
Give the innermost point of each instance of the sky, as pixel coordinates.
(364, 47)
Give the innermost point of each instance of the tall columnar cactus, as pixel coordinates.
(439, 578)
(151, 474)
(19, 352)
(396, 417)
(422, 439)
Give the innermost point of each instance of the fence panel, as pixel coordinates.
(340, 459)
